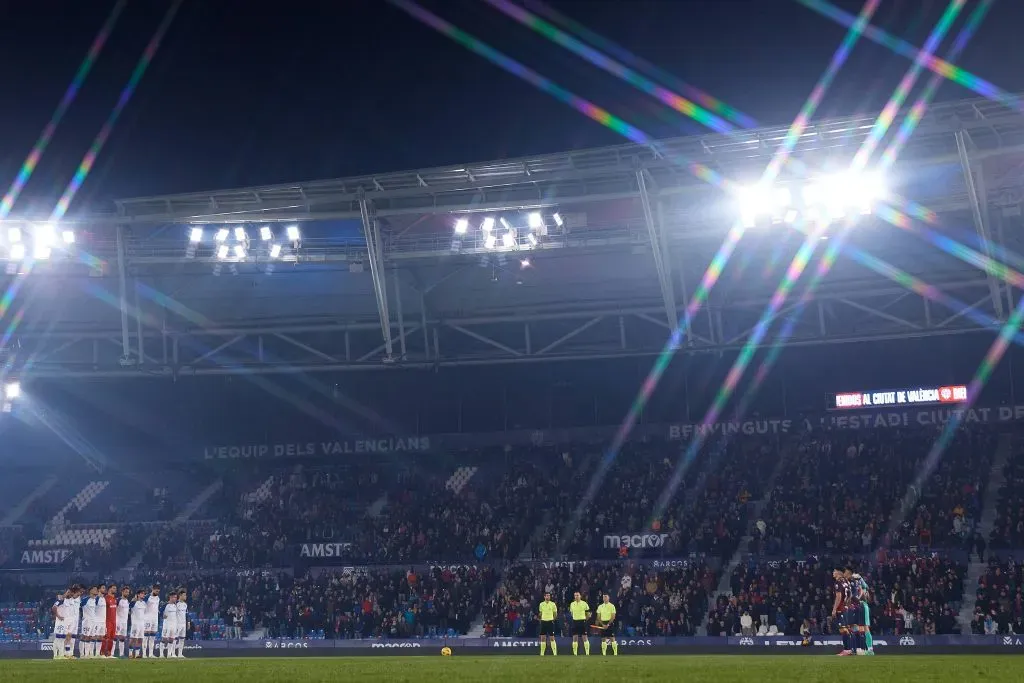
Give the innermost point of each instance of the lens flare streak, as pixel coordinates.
(677, 102)
(899, 96)
(807, 111)
(920, 106)
(793, 273)
(126, 95)
(905, 49)
(981, 377)
(29, 167)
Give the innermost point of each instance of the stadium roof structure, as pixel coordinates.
(379, 278)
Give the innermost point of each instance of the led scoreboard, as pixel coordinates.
(904, 397)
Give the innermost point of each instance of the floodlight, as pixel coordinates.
(41, 251)
(461, 226)
(240, 234)
(239, 251)
(12, 390)
(68, 237)
(488, 224)
(490, 240)
(14, 235)
(266, 233)
(222, 234)
(508, 240)
(535, 221)
(558, 219)
(45, 235)
(865, 189)
(195, 235)
(838, 194)
(532, 239)
(505, 223)
(760, 200)
(17, 252)
(293, 233)
(222, 251)
(275, 250)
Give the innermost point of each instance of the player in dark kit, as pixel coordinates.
(859, 614)
(839, 608)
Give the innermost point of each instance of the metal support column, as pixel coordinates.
(375, 251)
(398, 312)
(978, 212)
(667, 293)
(423, 324)
(122, 286)
(140, 345)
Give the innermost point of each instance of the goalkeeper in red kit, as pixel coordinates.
(107, 648)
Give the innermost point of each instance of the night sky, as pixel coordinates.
(247, 93)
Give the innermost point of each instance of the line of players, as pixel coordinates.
(579, 613)
(852, 611)
(98, 620)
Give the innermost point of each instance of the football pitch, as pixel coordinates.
(690, 668)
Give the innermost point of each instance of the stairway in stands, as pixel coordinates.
(197, 502)
(1009, 445)
(460, 478)
(78, 502)
(756, 510)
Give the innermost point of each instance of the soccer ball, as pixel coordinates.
(446, 651)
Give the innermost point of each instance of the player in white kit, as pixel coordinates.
(138, 625)
(152, 619)
(121, 620)
(90, 622)
(169, 627)
(60, 630)
(72, 607)
(182, 623)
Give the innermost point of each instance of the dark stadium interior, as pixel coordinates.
(512, 344)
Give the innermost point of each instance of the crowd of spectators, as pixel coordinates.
(909, 595)
(378, 515)
(840, 494)
(1000, 600)
(851, 492)
(1009, 524)
(699, 503)
(650, 601)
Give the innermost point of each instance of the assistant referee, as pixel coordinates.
(579, 610)
(548, 613)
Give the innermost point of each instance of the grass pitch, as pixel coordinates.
(494, 668)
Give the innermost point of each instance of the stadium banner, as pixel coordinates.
(331, 552)
(315, 449)
(647, 539)
(49, 557)
(851, 420)
(679, 562)
(892, 642)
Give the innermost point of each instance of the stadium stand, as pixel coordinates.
(840, 493)
(910, 594)
(470, 547)
(1000, 600)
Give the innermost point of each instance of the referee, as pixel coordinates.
(548, 613)
(579, 610)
